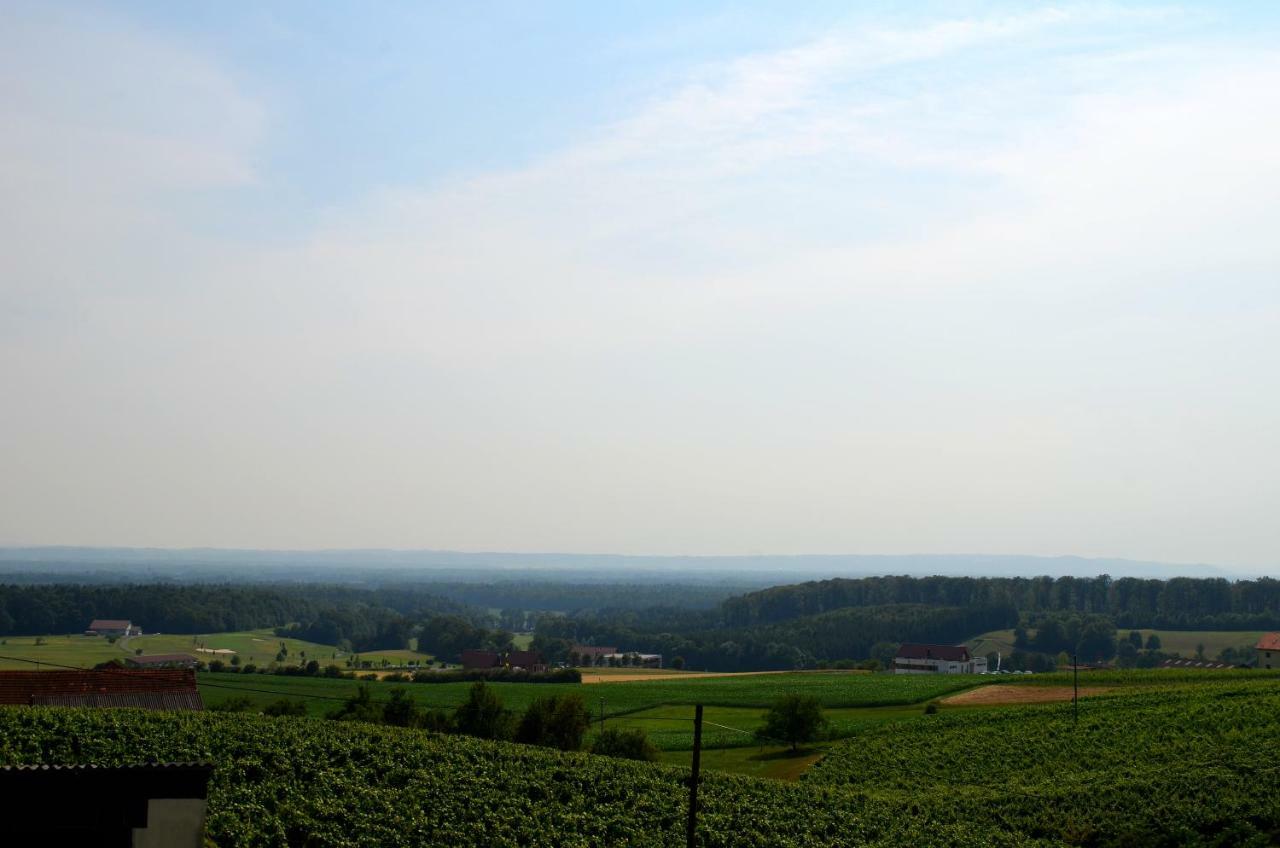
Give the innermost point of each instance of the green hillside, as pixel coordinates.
(1189, 765)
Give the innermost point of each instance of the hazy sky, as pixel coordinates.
(643, 277)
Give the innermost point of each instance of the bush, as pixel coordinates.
(238, 704)
(628, 743)
(499, 675)
(482, 715)
(931, 708)
(556, 722)
(793, 719)
(400, 710)
(285, 707)
(332, 671)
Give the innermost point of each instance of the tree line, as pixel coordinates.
(1181, 603)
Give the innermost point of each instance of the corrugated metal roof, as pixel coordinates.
(109, 624)
(950, 653)
(176, 688)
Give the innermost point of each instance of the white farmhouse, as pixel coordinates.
(915, 658)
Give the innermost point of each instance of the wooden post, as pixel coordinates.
(693, 777)
(1075, 689)
(602, 713)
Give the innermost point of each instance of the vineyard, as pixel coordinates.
(1173, 766)
(1188, 765)
(294, 782)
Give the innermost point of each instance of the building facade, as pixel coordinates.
(1268, 649)
(913, 658)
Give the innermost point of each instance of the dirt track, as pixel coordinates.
(1017, 695)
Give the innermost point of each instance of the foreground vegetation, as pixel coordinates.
(293, 782)
(1180, 765)
(1189, 765)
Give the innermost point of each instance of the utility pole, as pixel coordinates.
(693, 778)
(602, 713)
(1075, 690)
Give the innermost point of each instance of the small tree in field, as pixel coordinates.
(794, 719)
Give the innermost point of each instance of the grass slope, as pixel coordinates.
(251, 646)
(1183, 642)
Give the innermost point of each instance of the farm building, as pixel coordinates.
(527, 660)
(112, 627)
(473, 658)
(1203, 664)
(591, 654)
(159, 689)
(915, 658)
(1268, 648)
(161, 661)
(156, 804)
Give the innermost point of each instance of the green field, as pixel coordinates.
(671, 727)
(833, 689)
(1161, 766)
(75, 650)
(258, 647)
(1182, 642)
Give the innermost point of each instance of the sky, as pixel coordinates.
(715, 278)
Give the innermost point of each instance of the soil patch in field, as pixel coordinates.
(1017, 695)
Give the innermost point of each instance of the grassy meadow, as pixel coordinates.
(1182, 642)
(258, 647)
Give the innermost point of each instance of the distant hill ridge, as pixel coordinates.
(781, 567)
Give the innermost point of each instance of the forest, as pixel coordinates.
(784, 627)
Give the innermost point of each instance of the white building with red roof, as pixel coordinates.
(915, 658)
(1268, 648)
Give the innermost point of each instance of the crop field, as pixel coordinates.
(1162, 766)
(671, 727)
(834, 689)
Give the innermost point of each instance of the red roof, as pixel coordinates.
(1269, 642)
(949, 653)
(473, 658)
(149, 689)
(525, 659)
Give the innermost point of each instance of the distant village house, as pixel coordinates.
(1268, 649)
(915, 658)
(112, 627)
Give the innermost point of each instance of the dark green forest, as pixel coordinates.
(795, 626)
